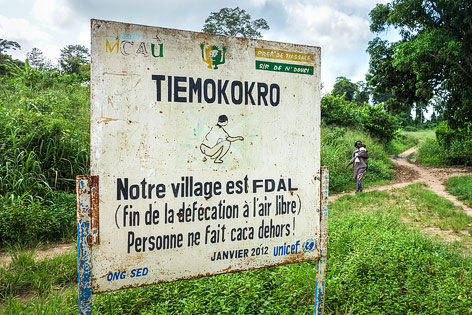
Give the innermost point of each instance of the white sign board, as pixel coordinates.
(207, 150)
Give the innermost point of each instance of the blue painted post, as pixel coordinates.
(321, 270)
(87, 200)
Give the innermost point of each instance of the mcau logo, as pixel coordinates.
(134, 44)
(213, 55)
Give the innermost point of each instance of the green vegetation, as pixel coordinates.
(401, 143)
(24, 274)
(336, 151)
(335, 110)
(456, 143)
(421, 135)
(44, 134)
(27, 222)
(234, 22)
(429, 65)
(422, 207)
(376, 264)
(430, 153)
(5, 59)
(461, 186)
(443, 147)
(352, 92)
(448, 148)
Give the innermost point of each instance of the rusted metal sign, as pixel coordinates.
(207, 150)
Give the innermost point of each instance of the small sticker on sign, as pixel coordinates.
(284, 67)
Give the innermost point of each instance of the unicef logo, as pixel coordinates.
(309, 246)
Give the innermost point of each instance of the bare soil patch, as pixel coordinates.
(47, 251)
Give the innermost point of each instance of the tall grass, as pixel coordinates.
(43, 145)
(430, 153)
(29, 221)
(450, 147)
(44, 134)
(24, 274)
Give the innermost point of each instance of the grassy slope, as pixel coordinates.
(401, 143)
(461, 186)
(376, 264)
(421, 135)
(380, 266)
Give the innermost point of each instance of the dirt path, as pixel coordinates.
(48, 251)
(407, 173)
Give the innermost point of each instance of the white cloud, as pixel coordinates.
(327, 27)
(57, 14)
(358, 7)
(258, 3)
(23, 32)
(52, 52)
(20, 29)
(84, 35)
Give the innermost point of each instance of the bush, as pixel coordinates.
(430, 153)
(461, 186)
(452, 147)
(400, 144)
(44, 134)
(372, 119)
(378, 122)
(455, 143)
(460, 152)
(29, 222)
(337, 111)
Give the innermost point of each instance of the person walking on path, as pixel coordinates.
(360, 163)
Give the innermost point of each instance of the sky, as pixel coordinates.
(340, 28)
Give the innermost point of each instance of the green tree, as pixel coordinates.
(344, 86)
(8, 44)
(234, 22)
(73, 57)
(362, 93)
(391, 85)
(378, 98)
(4, 57)
(37, 60)
(433, 59)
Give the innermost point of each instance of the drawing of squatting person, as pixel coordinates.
(217, 141)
